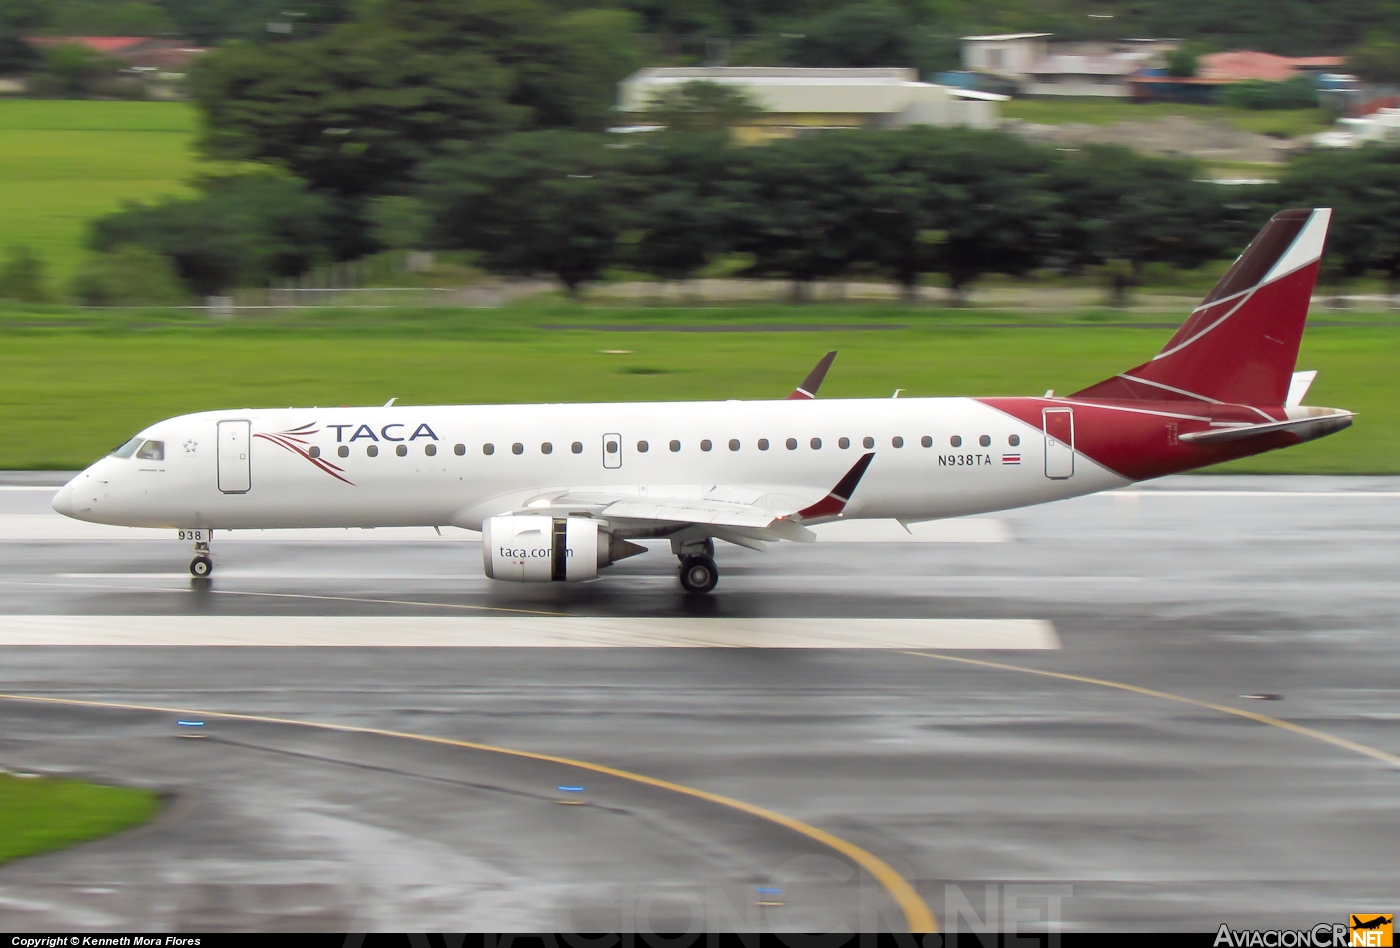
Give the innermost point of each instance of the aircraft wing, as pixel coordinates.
(813, 381)
(745, 514)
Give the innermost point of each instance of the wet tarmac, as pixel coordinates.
(1214, 741)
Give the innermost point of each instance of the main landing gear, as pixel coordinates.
(699, 574)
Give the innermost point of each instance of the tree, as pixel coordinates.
(356, 111)
(678, 222)
(1114, 204)
(1299, 92)
(75, 68)
(795, 204)
(701, 106)
(1377, 59)
(860, 34)
(22, 277)
(127, 275)
(242, 230)
(990, 209)
(1362, 187)
(1181, 62)
(531, 202)
(399, 222)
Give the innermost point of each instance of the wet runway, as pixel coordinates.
(1246, 773)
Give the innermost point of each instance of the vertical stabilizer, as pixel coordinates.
(1240, 345)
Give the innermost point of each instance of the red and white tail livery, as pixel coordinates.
(561, 491)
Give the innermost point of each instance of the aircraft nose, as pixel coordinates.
(63, 500)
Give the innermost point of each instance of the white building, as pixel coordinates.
(795, 99)
(1040, 68)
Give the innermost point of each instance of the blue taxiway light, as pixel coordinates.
(190, 723)
(769, 890)
(571, 789)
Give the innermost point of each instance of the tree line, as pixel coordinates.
(913, 206)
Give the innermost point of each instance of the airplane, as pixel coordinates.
(559, 492)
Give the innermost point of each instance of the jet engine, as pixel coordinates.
(534, 549)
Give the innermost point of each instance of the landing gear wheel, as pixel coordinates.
(201, 567)
(699, 574)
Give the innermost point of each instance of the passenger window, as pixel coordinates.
(430, 450)
(926, 441)
(816, 444)
(985, 441)
(643, 447)
(128, 449)
(314, 451)
(675, 445)
(705, 445)
(488, 449)
(372, 450)
(844, 443)
(546, 448)
(790, 444)
(517, 448)
(897, 441)
(151, 451)
(868, 442)
(763, 444)
(459, 449)
(576, 447)
(734, 444)
(956, 441)
(1014, 440)
(343, 451)
(401, 450)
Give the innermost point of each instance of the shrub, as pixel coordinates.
(127, 275)
(23, 276)
(1296, 93)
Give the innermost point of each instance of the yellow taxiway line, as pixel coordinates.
(917, 914)
(1334, 740)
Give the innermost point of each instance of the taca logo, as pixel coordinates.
(366, 433)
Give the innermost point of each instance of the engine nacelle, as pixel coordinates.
(535, 549)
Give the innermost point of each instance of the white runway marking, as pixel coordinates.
(31, 527)
(527, 631)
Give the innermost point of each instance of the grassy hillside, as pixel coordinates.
(1281, 123)
(63, 163)
(74, 384)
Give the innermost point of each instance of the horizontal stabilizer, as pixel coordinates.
(1307, 429)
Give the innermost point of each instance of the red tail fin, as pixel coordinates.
(1240, 345)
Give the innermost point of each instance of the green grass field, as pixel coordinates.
(73, 384)
(38, 815)
(63, 163)
(1285, 123)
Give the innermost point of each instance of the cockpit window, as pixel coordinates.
(151, 451)
(128, 449)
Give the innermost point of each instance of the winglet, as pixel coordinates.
(813, 381)
(835, 502)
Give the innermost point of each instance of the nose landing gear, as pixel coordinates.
(203, 563)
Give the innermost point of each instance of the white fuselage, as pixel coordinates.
(275, 485)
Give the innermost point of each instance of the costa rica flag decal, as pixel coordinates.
(1011, 459)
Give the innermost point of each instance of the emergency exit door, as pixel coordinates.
(1059, 442)
(235, 471)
